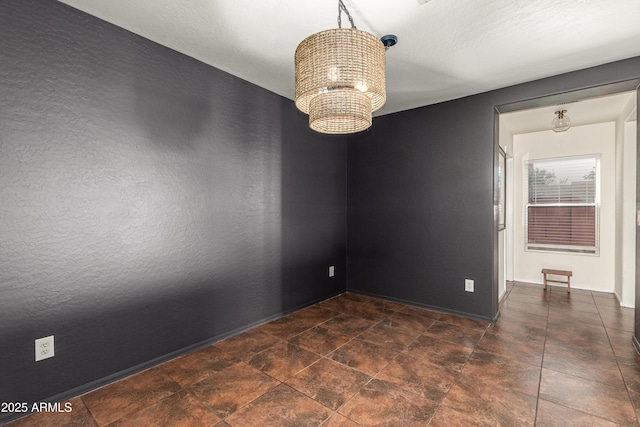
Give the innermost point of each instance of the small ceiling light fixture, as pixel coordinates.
(340, 78)
(561, 122)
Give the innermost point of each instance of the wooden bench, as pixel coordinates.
(566, 273)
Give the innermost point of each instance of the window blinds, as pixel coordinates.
(562, 204)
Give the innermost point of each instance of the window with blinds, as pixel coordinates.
(562, 211)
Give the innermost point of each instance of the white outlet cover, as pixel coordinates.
(332, 271)
(44, 348)
(468, 285)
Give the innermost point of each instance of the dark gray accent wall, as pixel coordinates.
(418, 207)
(148, 202)
(421, 196)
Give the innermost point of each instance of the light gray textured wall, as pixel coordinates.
(148, 202)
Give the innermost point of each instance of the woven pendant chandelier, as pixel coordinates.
(340, 78)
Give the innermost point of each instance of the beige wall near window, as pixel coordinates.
(589, 272)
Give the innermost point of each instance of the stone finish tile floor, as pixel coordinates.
(552, 359)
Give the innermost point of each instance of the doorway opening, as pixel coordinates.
(604, 120)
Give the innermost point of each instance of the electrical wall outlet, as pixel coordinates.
(44, 348)
(332, 271)
(468, 285)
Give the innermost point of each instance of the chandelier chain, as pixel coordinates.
(341, 8)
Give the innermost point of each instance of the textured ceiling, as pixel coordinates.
(447, 49)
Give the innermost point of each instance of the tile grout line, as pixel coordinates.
(372, 377)
(364, 385)
(326, 356)
(624, 380)
(593, 297)
(459, 373)
(89, 411)
(544, 349)
(280, 382)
